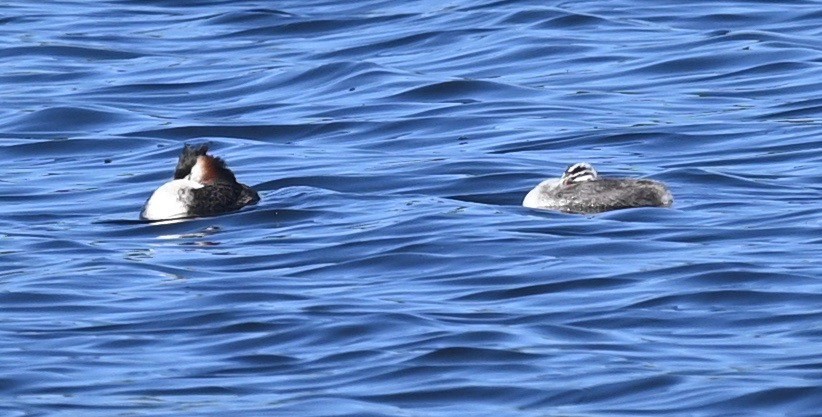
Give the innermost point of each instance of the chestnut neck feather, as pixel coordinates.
(210, 170)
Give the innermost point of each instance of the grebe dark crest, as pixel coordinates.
(202, 186)
(582, 190)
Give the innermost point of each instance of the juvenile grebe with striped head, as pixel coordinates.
(582, 190)
(202, 186)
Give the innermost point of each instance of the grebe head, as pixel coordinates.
(579, 172)
(208, 170)
(187, 160)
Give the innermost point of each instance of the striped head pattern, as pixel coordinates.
(579, 172)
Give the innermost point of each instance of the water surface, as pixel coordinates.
(389, 268)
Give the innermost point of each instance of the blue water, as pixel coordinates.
(389, 269)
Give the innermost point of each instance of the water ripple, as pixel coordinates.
(389, 268)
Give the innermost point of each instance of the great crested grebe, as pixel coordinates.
(582, 190)
(202, 186)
